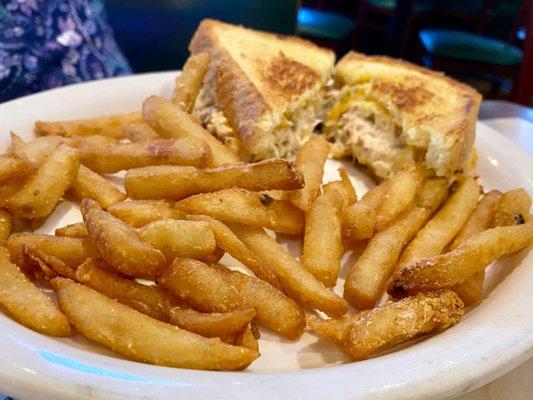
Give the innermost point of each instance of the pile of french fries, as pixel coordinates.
(142, 273)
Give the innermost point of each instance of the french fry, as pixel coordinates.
(27, 303)
(251, 208)
(295, 279)
(446, 223)
(226, 326)
(399, 197)
(178, 238)
(37, 150)
(368, 277)
(344, 187)
(474, 255)
(176, 183)
(119, 245)
(432, 194)
(88, 184)
(513, 208)
(214, 257)
(228, 242)
(149, 300)
(6, 224)
(42, 191)
(109, 125)
(189, 81)
(247, 339)
(139, 131)
(75, 230)
(122, 156)
(367, 332)
(13, 166)
(110, 323)
(310, 160)
(72, 251)
(322, 248)
(200, 285)
(171, 121)
(50, 265)
(141, 212)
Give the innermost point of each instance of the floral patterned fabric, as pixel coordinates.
(50, 43)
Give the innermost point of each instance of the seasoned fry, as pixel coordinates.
(201, 286)
(119, 245)
(513, 208)
(322, 248)
(38, 149)
(72, 251)
(367, 279)
(295, 279)
(14, 166)
(228, 242)
(441, 229)
(76, 230)
(247, 339)
(110, 323)
(171, 121)
(457, 266)
(226, 326)
(432, 193)
(89, 184)
(399, 197)
(367, 332)
(141, 212)
(176, 183)
(6, 224)
(109, 125)
(50, 265)
(310, 160)
(139, 131)
(113, 158)
(27, 303)
(42, 191)
(251, 208)
(214, 257)
(178, 238)
(344, 187)
(189, 81)
(149, 300)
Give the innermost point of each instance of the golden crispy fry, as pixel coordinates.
(38, 149)
(275, 311)
(149, 300)
(200, 285)
(189, 81)
(513, 208)
(295, 279)
(139, 131)
(39, 261)
(82, 141)
(42, 191)
(441, 229)
(214, 257)
(75, 230)
(432, 193)
(27, 303)
(399, 197)
(344, 187)
(13, 166)
(360, 217)
(119, 244)
(113, 158)
(109, 125)
(6, 224)
(310, 160)
(247, 339)
(110, 323)
(89, 184)
(178, 238)
(171, 121)
(72, 251)
(458, 265)
(368, 277)
(176, 183)
(251, 208)
(228, 242)
(141, 212)
(471, 290)
(367, 332)
(322, 248)
(226, 326)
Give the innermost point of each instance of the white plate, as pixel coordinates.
(492, 339)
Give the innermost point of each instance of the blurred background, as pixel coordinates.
(486, 43)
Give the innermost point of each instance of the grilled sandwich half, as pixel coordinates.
(263, 94)
(384, 112)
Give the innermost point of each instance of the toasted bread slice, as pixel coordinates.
(262, 89)
(388, 111)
